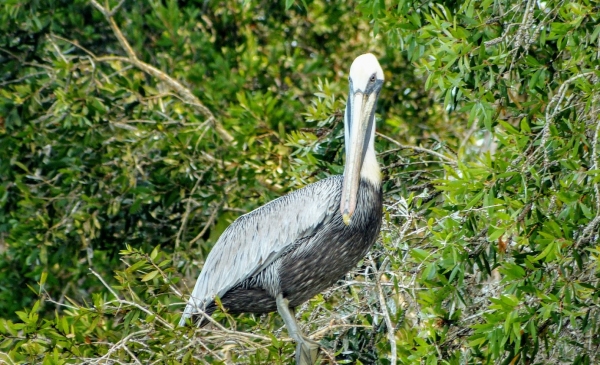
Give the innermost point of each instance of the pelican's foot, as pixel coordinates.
(306, 352)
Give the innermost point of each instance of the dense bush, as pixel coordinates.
(133, 133)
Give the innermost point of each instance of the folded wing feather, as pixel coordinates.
(256, 239)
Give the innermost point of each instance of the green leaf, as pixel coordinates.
(494, 233)
(149, 276)
(154, 253)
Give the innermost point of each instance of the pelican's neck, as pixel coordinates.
(370, 169)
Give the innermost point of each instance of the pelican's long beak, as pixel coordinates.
(360, 119)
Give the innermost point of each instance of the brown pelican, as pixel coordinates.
(289, 250)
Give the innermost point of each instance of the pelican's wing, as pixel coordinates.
(256, 239)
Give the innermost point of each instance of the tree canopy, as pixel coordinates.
(132, 133)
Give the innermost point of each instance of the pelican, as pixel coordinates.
(294, 247)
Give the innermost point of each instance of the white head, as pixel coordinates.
(365, 73)
(366, 80)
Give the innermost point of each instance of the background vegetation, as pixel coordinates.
(133, 132)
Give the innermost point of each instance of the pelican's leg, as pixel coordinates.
(306, 349)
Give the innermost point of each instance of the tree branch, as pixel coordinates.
(175, 85)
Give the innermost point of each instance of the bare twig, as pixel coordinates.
(551, 113)
(126, 302)
(589, 230)
(105, 284)
(596, 163)
(186, 215)
(132, 355)
(418, 149)
(119, 345)
(6, 357)
(386, 315)
(148, 312)
(209, 223)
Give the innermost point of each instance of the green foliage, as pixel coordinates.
(115, 181)
(509, 272)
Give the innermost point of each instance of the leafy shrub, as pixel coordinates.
(131, 137)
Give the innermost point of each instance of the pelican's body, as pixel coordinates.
(319, 255)
(287, 251)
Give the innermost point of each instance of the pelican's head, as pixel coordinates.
(366, 81)
(366, 75)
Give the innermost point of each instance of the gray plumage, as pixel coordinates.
(296, 245)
